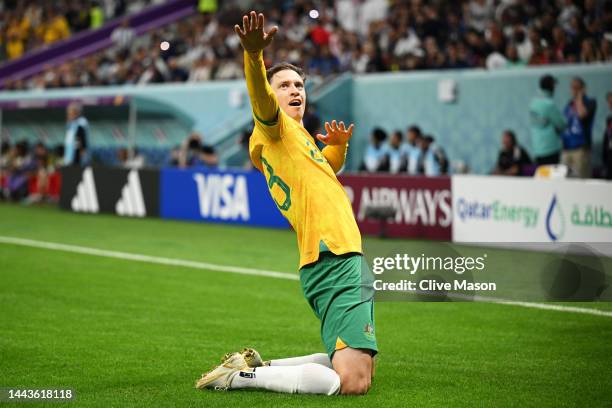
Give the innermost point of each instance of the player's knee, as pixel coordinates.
(355, 370)
(323, 359)
(320, 379)
(354, 383)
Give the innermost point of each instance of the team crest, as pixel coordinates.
(315, 153)
(368, 330)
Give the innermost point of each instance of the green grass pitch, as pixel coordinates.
(126, 333)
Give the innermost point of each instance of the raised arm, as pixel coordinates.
(254, 40)
(336, 139)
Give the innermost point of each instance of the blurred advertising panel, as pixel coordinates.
(401, 206)
(132, 193)
(229, 196)
(506, 209)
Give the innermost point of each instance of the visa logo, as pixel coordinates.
(223, 196)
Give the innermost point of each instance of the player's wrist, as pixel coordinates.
(255, 54)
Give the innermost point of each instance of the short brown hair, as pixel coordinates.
(281, 66)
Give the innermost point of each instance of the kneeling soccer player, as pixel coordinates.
(335, 279)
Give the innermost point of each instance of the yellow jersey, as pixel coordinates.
(301, 178)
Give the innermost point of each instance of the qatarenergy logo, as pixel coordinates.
(498, 211)
(415, 264)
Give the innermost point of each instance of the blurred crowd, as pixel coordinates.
(29, 172)
(193, 152)
(327, 37)
(25, 172)
(564, 137)
(27, 25)
(416, 154)
(560, 137)
(324, 37)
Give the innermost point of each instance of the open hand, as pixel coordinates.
(337, 134)
(252, 35)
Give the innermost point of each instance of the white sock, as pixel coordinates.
(307, 378)
(318, 358)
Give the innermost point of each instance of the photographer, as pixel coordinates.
(194, 152)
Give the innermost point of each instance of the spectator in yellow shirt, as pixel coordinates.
(55, 27)
(14, 46)
(16, 34)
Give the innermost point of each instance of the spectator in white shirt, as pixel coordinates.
(123, 36)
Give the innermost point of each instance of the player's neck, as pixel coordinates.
(298, 120)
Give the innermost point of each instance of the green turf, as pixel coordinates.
(124, 333)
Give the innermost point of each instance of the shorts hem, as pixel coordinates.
(363, 346)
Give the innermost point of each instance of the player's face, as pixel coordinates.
(289, 89)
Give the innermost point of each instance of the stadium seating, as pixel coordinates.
(405, 36)
(393, 36)
(90, 41)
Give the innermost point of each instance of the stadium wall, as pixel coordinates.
(487, 103)
(212, 107)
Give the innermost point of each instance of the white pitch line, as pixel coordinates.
(255, 272)
(544, 306)
(145, 258)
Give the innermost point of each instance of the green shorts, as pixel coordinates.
(339, 290)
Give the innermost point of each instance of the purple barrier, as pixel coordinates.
(87, 42)
(63, 102)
